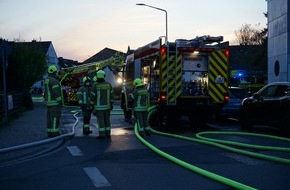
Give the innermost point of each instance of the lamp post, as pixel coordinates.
(166, 37)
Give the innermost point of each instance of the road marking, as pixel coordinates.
(96, 176)
(75, 151)
(245, 159)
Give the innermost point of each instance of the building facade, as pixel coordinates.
(278, 40)
(51, 58)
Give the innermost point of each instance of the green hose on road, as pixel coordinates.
(193, 168)
(219, 144)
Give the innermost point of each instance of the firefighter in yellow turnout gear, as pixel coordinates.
(83, 94)
(141, 104)
(102, 99)
(53, 100)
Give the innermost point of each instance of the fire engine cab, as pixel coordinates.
(185, 77)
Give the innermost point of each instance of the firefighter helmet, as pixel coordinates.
(86, 79)
(52, 69)
(101, 74)
(138, 82)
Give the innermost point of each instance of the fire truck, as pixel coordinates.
(184, 78)
(71, 77)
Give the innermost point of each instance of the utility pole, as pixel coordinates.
(4, 52)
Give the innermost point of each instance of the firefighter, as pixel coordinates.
(140, 97)
(126, 103)
(95, 79)
(102, 98)
(53, 100)
(83, 94)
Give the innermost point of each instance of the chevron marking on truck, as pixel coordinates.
(171, 79)
(218, 69)
(163, 73)
(178, 75)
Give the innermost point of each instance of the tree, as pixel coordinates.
(28, 65)
(248, 35)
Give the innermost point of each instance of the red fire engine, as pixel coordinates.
(185, 77)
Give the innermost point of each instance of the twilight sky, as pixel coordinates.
(79, 29)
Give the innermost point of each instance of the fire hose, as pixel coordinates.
(223, 144)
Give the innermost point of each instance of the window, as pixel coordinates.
(268, 92)
(282, 91)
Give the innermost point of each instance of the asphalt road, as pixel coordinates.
(124, 162)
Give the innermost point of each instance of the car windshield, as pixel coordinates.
(239, 92)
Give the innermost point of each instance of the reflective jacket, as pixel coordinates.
(102, 96)
(126, 101)
(84, 96)
(140, 97)
(53, 92)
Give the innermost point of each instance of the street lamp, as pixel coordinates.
(166, 37)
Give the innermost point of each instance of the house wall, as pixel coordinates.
(51, 58)
(278, 40)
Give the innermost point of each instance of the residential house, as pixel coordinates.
(112, 72)
(104, 54)
(65, 63)
(51, 57)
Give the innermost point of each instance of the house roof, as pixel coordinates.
(64, 63)
(104, 54)
(44, 45)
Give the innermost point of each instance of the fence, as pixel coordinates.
(15, 106)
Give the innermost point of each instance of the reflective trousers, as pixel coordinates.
(53, 116)
(104, 123)
(86, 119)
(142, 121)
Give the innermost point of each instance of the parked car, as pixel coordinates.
(269, 106)
(231, 109)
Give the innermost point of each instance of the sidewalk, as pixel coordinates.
(29, 127)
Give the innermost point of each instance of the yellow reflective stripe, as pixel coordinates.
(216, 74)
(216, 91)
(55, 86)
(164, 72)
(178, 77)
(85, 97)
(54, 125)
(218, 67)
(47, 89)
(101, 129)
(139, 126)
(223, 55)
(215, 99)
